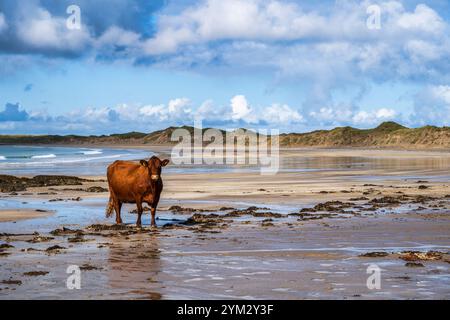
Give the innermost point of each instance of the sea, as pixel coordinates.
(55, 160)
(34, 160)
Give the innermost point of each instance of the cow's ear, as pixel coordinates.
(165, 162)
(144, 163)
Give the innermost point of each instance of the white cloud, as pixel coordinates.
(442, 93)
(3, 24)
(128, 42)
(234, 20)
(179, 105)
(432, 105)
(265, 21)
(281, 114)
(328, 50)
(329, 45)
(349, 115)
(422, 19)
(384, 113)
(332, 116)
(420, 50)
(240, 108)
(176, 110)
(158, 111)
(181, 111)
(43, 31)
(373, 117)
(95, 115)
(208, 110)
(119, 37)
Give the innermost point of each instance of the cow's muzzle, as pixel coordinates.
(154, 176)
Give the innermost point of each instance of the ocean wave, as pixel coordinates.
(62, 161)
(45, 156)
(92, 152)
(2, 158)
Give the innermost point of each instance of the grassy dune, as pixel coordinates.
(386, 135)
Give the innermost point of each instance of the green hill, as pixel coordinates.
(386, 135)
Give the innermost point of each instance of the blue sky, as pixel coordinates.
(288, 65)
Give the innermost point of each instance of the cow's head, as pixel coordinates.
(154, 166)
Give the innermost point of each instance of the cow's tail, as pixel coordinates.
(109, 208)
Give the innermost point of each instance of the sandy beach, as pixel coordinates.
(21, 214)
(308, 232)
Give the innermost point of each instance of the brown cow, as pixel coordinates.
(130, 182)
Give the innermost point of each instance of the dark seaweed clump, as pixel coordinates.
(11, 183)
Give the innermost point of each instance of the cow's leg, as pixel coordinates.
(139, 210)
(117, 207)
(153, 211)
(153, 207)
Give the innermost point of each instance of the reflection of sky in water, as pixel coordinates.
(345, 164)
(92, 210)
(72, 213)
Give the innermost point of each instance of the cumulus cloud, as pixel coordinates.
(240, 108)
(117, 43)
(324, 49)
(423, 19)
(350, 115)
(282, 114)
(212, 112)
(159, 111)
(327, 50)
(179, 105)
(277, 35)
(123, 117)
(12, 112)
(374, 117)
(41, 31)
(329, 47)
(3, 24)
(332, 115)
(267, 22)
(181, 111)
(432, 105)
(94, 115)
(107, 27)
(235, 19)
(176, 111)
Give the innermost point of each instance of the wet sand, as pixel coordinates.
(22, 214)
(312, 235)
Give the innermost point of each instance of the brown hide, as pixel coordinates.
(130, 182)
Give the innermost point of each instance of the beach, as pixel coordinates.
(309, 232)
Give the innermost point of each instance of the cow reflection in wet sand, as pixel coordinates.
(130, 182)
(139, 279)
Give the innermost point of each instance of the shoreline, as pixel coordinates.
(298, 154)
